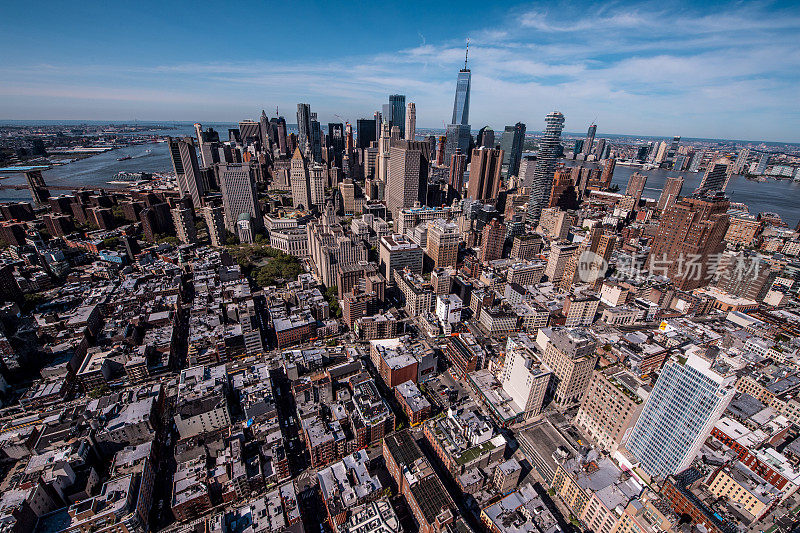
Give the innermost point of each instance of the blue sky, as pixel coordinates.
(723, 69)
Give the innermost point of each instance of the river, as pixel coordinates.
(775, 196)
(781, 197)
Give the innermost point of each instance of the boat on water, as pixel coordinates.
(123, 158)
(131, 177)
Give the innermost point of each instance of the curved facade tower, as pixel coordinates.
(545, 166)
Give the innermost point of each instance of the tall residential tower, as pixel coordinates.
(545, 166)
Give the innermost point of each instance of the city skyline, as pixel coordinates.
(632, 68)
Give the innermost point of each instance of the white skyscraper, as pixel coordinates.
(525, 379)
(688, 399)
(298, 178)
(761, 169)
(411, 121)
(383, 152)
(316, 184)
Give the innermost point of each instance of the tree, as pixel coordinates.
(31, 300)
(163, 238)
(118, 213)
(98, 391)
(333, 302)
(280, 265)
(110, 242)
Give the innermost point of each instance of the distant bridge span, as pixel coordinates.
(62, 187)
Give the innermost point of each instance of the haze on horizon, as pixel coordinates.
(722, 70)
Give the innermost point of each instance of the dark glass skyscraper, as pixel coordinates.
(315, 135)
(589, 142)
(549, 147)
(458, 138)
(187, 170)
(303, 125)
(365, 131)
(458, 131)
(397, 102)
(512, 142)
(335, 140)
(461, 103)
(485, 137)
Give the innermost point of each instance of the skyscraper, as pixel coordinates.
(458, 131)
(280, 127)
(635, 187)
(215, 221)
(600, 149)
(741, 161)
(365, 130)
(689, 397)
(494, 236)
(486, 137)
(512, 143)
(716, 176)
(408, 169)
(378, 118)
(384, 146)
(208, 141)
(187, 171)
(336, 140)
(266, 132)
(411, 121)
(303, 125)
(690, 236)
(315, 135)
(298, 177)
(484, 176)
(238, 194)
(349, 145)
(589, 142)
(316, 185)
(457, 138)
(608, 173)
(672, 151)
(250, 132)
(458, 163)
(184, 225)
(761, 169)
(397, 103)
(545, 166)
(461, 103)
(440, 150)
(670, 193)
(443, 237)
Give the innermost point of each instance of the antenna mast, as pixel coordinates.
(466, 55)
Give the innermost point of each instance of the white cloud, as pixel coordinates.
(647, 70)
